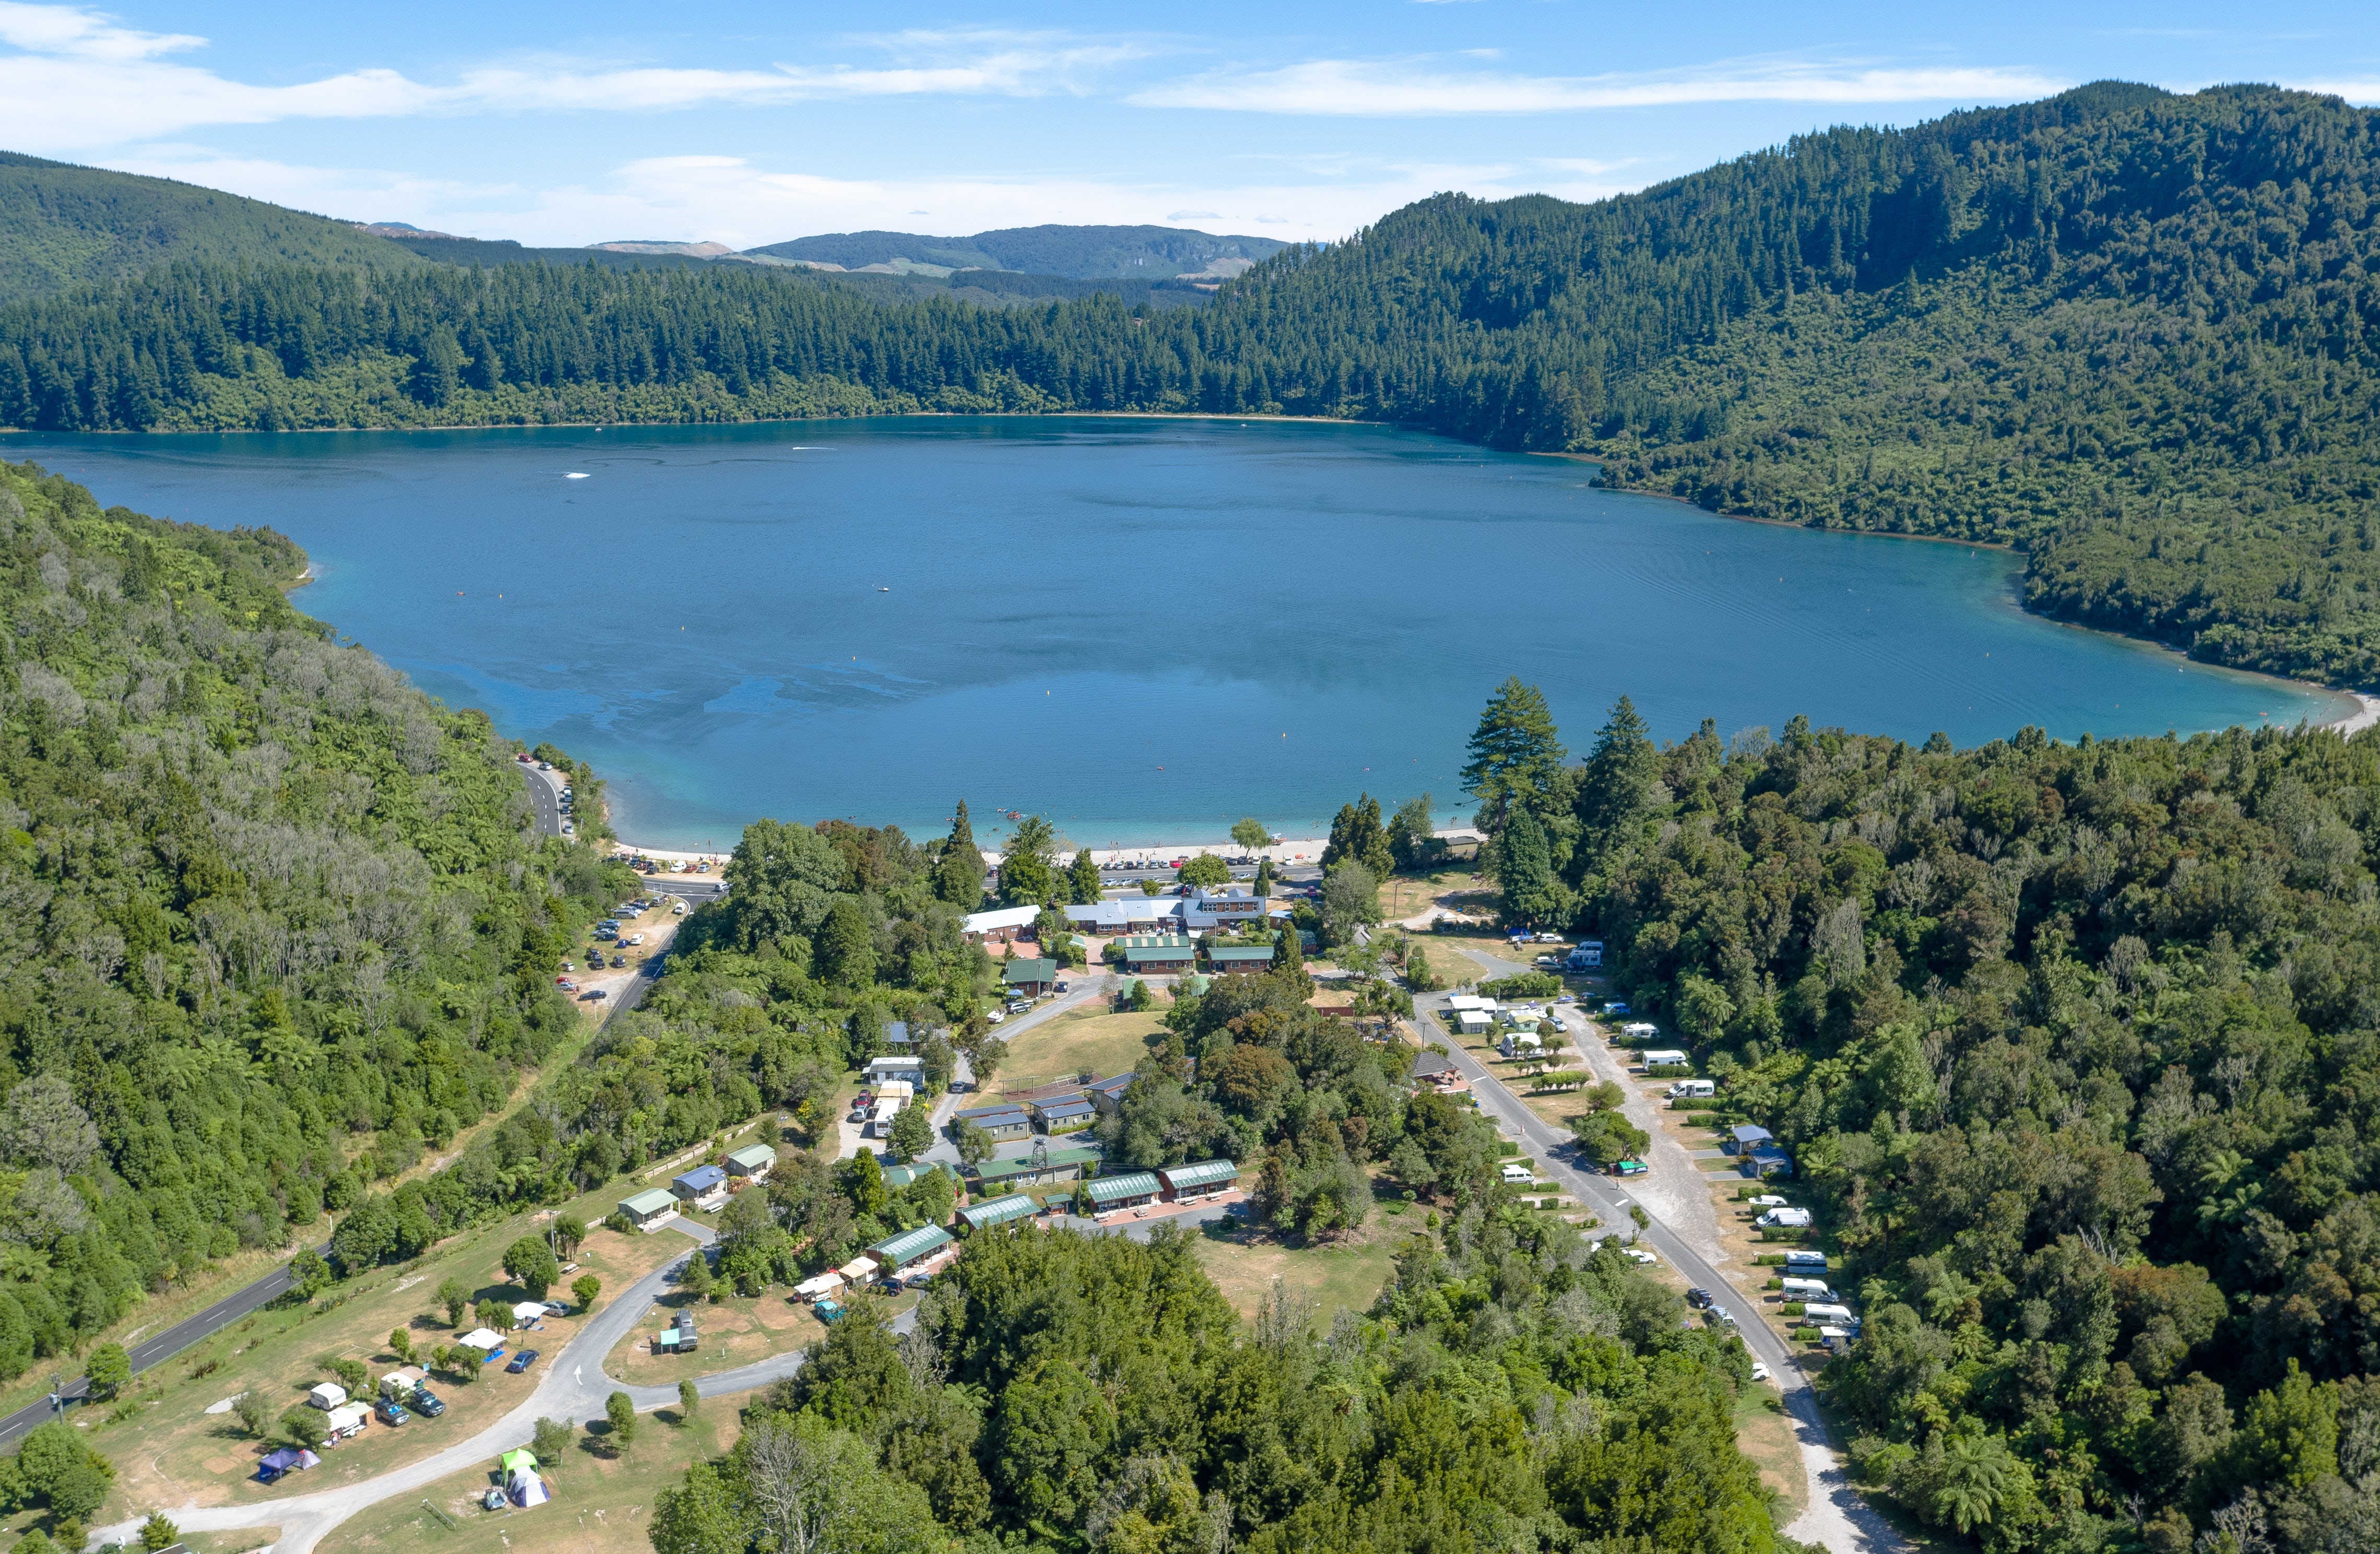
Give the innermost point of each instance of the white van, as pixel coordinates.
(1519, 1174)
(1807, 1260)
(1664, 1058)
(1830, 1312)
(1639, 1032)
(1692, 1089)
(1784, 1219)
(1807, 1290)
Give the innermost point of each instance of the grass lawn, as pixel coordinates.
(1244, 1260)
(1763, 1432)
(600, 1504)
(735, 1330)
(1064, 1046)
(1402, 895)
(169, 1450)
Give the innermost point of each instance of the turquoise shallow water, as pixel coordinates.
(1143, 629)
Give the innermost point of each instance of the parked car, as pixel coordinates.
(598, 996)
(827, 1310)
(545, 766)
(388, 1412)
(619, 963)
(1019, 1005)
(565, 984)
(1638, 1255)
(1700, 1299)
(427, 1403)
(997, 1016)
(919, 1282)
(522, 1361)
(1760, 1371)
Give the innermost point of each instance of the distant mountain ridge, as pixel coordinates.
(1143, 253)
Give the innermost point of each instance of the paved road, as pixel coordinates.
(545, 796)
(164, 1346)
(574, 1388)
(1839, 1519)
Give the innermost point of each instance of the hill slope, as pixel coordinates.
(61, 225)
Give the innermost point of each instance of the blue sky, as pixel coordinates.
(750, 123)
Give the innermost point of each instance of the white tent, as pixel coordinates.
(527, 1311)
(858, 1268)
(483, 1340)
(525, 1489)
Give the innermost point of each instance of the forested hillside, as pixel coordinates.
(2126, 330)
(2077, 1046)
(1145, 253)
(62, 225)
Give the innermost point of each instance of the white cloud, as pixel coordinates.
(2360, 92)
(1411, 89)
(81, 79)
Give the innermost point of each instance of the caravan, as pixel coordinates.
(1807, 1290)
(1804, 1261)
(1692, 1089)
(1666, 1057)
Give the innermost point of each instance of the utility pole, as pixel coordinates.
(58, 1395)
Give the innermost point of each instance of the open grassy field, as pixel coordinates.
(1062, 1048)
(1402, 895)
(1763, 1432)
(170, 1451)
(735, 1330)
(602, 1504)
(1244, 1260)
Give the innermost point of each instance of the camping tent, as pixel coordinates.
(489, 1343)
(528, 1312)
(288, 1459)
(521, 1482)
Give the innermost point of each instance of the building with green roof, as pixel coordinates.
(897, 1252)
(1128, 1191)
(1186, 1184)
(1239, 960)
(1056, 1165)
(1002, 1210)
(649, 1207)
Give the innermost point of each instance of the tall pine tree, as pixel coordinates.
(958, 874)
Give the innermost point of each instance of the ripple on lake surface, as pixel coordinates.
(1143, 629)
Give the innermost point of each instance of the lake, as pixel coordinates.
(1143, 629)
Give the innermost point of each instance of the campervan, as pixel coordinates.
(1639, 1032)
(1692, 1089)
(1666, 1057)
(1784, 1220)
(1829, 1312)
(1807, 1290)
(1807, 1260)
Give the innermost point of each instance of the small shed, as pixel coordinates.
(1036, 977)
(897, 1253)
(752, 1163)
(648, 1207)
(1745, 1136)
(1187, 1184)
(1130, 1190)
(327, 1396)
(1071, 1115)
(1004, 1210)
(700, 1182)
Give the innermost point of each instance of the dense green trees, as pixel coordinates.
(1510, 1388)
(2073, 1044)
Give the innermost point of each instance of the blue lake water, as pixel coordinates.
(1142, 629)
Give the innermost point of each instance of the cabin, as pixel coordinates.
(1205, 1179)
(649, 1209)
(1000, 925)
(1472, 1022)
(703, 1182)
(1031, 977)
(1744, 1137)
(897, 1255)
(1108, 1094)
(1434, 1068)
(1766, 1161)
(897, 1036)
(1071, 1115)
(1000, 1122)
(901, 1067)
(1132, 1190)
(751, 1163)
(1005, 1209)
